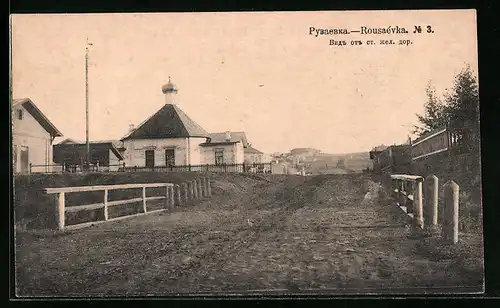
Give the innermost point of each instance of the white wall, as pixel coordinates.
(240, 154)
(233, 153)
(253, 158)
(195, 152)
(278, 169)
(187, 151)
(113, 161)
(28, 132)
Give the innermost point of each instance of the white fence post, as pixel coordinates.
(431, 196)
(171, 193)
(60, 210)
(105, 204)
(204, 186)
(190, 188)
(417, 205)
(394, 187)
(178, 194)
(166, 200)
(451, 204)
(401, 194)
(200, 191)
(144, 200)
(185, 192)
(195, 189)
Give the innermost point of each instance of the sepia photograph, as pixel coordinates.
(246, 153)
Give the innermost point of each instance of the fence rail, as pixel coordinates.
(421, 203)
(75, 169)
(223, 168)
(174, 195)
(440, 141)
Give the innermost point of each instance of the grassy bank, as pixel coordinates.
(35, 210)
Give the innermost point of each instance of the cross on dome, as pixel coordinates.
(169, 87)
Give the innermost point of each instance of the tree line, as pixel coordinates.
(456, 109)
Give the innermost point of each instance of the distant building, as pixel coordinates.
(394, 158)
(224, 148)
(253, 156)
(106, 154)
(299, 155)
(32, 137)
(250, 154)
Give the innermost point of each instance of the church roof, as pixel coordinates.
(169, 122)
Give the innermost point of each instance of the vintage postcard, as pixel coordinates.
(246, 153)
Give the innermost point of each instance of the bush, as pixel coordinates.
(470, 218)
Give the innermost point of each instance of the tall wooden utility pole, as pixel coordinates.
(87, 103)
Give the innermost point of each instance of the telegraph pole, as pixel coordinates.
(87, 103)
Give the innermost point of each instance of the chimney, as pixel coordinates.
(130, 127)
(228, 136)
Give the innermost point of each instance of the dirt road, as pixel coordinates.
(331, 234)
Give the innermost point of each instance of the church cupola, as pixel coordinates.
(170, 92)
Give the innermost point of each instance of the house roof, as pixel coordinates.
(38, 115)
(251, 150)
(379, 148)
(235, 137)
(168, 122)
(117, 143)
(80, 148)
(70, 141)
(207, 144)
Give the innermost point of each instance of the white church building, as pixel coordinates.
(171, 138)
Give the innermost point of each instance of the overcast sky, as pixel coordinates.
(261, 73)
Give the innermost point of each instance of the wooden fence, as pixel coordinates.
(75, 169)
(418, 197)
(223, 168)
(437, 142)
(175, 195)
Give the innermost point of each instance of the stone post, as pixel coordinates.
(171, 195)
(431, 196)
(417, 204)
(106, 204)
(402, 198)
(393, 187)
(451, 206)
(200, 190)
(60, 210)
(195, 189)
(144, 202)
(178, 194)
(205, 189)
(184, 192)
(191, 191)
(167, 197)
(209, 188)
